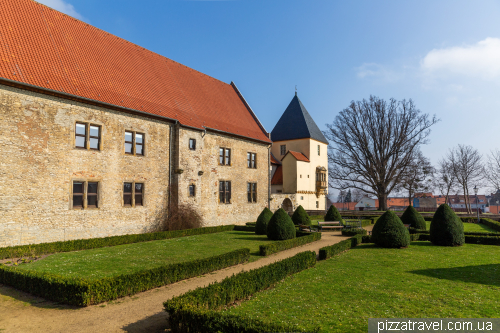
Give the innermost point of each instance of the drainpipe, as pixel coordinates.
(170, 158)
(269, 177)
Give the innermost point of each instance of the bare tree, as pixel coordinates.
(493, 169)
(467, 167)
(357, 194)
(417, 176)
(373, 142)
(445, 179)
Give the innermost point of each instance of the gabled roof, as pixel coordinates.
(278, 176)
(298, 156)
(46, 49)
(274, 160)
(296, 123)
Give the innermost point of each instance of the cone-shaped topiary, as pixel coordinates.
(301, 217)
(280, 226)
(389, 231)
(413, 218)
(263, 221)
(333, 215)
(446, 228)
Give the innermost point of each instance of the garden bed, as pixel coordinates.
(422, 281)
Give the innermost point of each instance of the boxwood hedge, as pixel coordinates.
(329, 251)
(278, 246)
(196, 311)
(83, 292)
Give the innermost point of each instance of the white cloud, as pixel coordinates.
(63, 7)
(378, 71)
(481, 60)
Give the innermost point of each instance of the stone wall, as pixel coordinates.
(200, 167)
(39, 161)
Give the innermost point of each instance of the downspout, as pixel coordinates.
(170, 168)
(269, 177)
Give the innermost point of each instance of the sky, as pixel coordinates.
(444, 55)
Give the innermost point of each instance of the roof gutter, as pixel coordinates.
(30, 87)
(46, 91)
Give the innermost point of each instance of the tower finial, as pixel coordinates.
(295, 90)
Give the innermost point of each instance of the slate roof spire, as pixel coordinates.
(296, 123)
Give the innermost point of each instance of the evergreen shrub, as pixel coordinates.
(390, 232)
(280, 226)
(446, 228)
(300, 217)
(413, 218)
(354, 232)
(333, 215)
(263, 221)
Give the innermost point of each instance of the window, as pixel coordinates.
(317, 204)
(283, 149)
(85, 194)
(224, 156)
(225, 191)
(134, 143)
(252, 160)
(252, 192)
(300, 176)
(192, 190)
(301, 198)
(133, 194)
(192, 144)
(318, 151)
(87, 136)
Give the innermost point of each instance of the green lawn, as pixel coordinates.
(122, 259)
(471, 227)
(422, 281)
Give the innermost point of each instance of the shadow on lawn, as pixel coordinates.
(482, 274)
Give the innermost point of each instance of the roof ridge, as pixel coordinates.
(132, 43)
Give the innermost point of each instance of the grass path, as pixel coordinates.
(21, 312)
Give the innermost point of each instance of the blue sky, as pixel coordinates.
(445, 55)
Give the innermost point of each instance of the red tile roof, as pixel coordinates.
(45, 48)
(274, 160)
(278, 176)
(297, 155)
(345, 205)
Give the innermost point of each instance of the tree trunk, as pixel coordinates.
(382, 202)
(469, 207)
(466, 200)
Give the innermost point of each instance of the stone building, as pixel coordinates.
(299, 161)
(100, 137)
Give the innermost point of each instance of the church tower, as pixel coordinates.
(299, 161)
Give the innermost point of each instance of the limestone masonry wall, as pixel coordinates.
(39, 161)
(206, 159)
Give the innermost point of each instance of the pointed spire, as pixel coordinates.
(296, 123)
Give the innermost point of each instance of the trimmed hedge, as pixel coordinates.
(389, 232)
(484, 240)
(354, 232)
(84, 292)
(196, 312)
(413, 238)
(300, 217)
(94, 243)
(279, 246)
(446, 228)
(263, 221)
(413, 218)
(491, 223)
(280, 226)
(330, 251)
(244, 228)
(333, 215)
(467, 233)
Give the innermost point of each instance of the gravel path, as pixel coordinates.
(143, 312)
